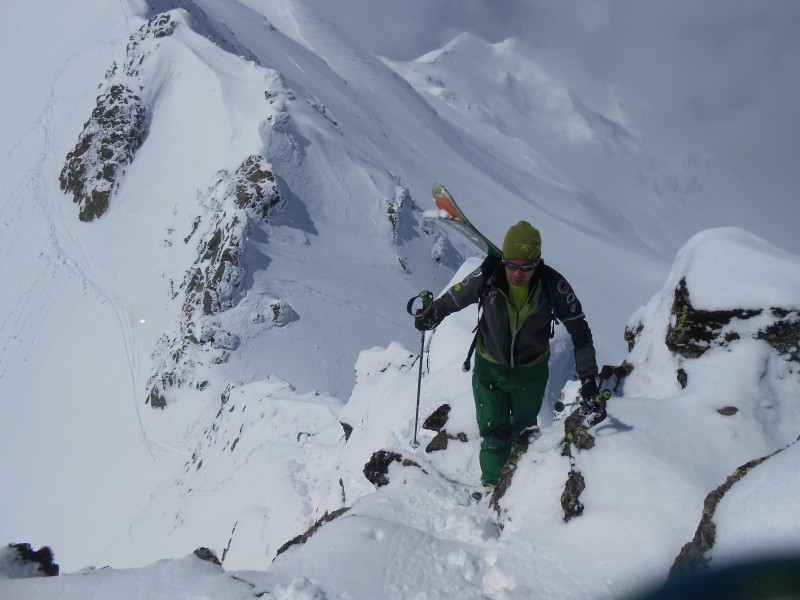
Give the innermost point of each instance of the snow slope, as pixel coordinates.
(421, 535)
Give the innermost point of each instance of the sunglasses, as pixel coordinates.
(524, 268)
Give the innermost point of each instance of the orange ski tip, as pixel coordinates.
(445, 204)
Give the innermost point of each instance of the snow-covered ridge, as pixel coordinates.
(644, 476)
(248, 316)
(212, 284)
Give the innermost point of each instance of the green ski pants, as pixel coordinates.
(507, 401)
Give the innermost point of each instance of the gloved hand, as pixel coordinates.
(590, 402)
(426, 319)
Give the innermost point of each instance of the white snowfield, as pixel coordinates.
(630, 195)
(659, 453)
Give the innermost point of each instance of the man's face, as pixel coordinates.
(519, 277)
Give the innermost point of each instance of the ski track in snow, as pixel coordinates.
(65, 253)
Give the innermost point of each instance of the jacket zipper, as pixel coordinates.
(515, 329)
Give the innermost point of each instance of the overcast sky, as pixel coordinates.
(716, 80)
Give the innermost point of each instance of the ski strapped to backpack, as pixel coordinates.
(450, 214)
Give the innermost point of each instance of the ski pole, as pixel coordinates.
(414, 442)
(426, 298)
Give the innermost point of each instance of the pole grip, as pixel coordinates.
(427, 300)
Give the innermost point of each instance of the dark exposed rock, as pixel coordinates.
(439, 442)
(348, 430)
(33, 563)
(510, 468)
(692, 558)
(631, 335)
(683, 378)
(159, 26)
(115, 130)
(695, 331)
(377, 469)
(437, 419)
(109, 141)
(212, 284)
(156, 398)
(282, 313)
(303, 538)
(614, 376)
(728, 411)
(784, 334)
(570, 498)
(255, 187)
(576, 433)
(207, 555)
(394, 207)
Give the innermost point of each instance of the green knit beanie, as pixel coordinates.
(523, 242)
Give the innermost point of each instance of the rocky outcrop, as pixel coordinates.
(115, 130)
(377, 469)
(140, 44)
(436, 421)
(304, 537)
(576, 435)
(108, 142)
(784, 333)
(254, 187)
(212, 283)
(510, 468)
(693, 331)
(394, 207)
(693, 557)
(18, 561)
(207, 555)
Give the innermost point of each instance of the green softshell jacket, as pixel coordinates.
(518, 338)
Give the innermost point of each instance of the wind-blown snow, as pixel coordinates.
(255, 455)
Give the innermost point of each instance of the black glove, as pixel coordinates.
(591, 401)
(425, 320)
(427, 317)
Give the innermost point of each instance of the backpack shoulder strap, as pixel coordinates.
(489, 270)
(545, 274)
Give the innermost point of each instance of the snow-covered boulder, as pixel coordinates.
(725, 286)
(724, 335)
